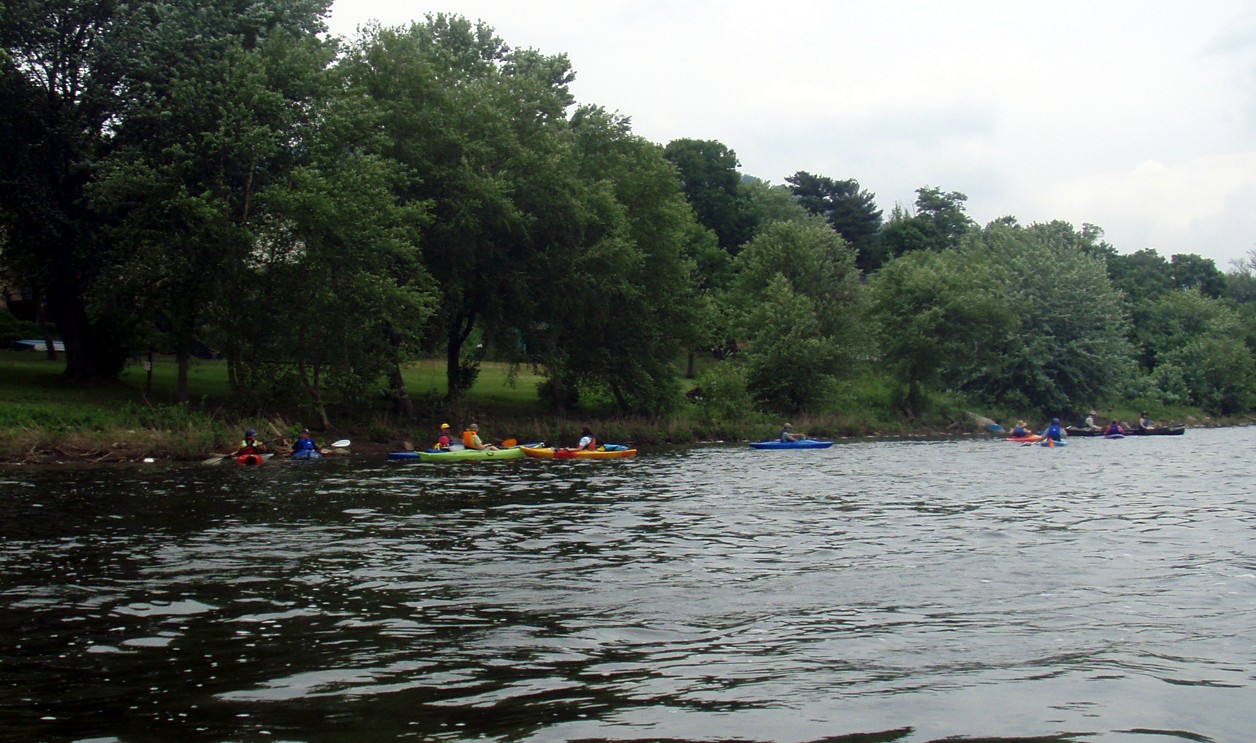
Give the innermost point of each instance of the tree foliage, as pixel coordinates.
(851, 211)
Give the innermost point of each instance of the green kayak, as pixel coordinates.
(465, 455)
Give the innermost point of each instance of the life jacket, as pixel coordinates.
(442, 442)
(466, 438)
(592, 444)
(304, 444)
(253, 448)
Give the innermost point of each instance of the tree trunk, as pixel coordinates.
(459, 330)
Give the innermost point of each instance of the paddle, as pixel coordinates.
(510, 443)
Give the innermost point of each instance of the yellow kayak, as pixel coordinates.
(549, 452)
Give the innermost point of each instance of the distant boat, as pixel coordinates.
(29, 344)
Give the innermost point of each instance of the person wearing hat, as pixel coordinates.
(250, 445)
(1021, 430)
(471, 439)
(787, 434)
(1090, 424)
(442, 443)
(305, 443)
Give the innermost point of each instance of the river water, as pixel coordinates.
(874, 591)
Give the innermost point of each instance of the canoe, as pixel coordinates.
(799, 444)
(1177, 430)
(462, 455)
(307, 455)
(549, 452)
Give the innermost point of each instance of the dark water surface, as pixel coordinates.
(886, 591)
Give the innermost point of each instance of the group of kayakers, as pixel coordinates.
(1056, 432)
(252, 445)
(471, 440)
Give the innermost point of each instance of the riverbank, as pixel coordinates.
(119, 446)
(48, 422)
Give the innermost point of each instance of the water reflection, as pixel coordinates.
(873, 591)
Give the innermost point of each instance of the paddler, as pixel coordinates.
(250, 445)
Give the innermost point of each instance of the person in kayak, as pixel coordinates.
(588, 442)
(1054, 432)
(1021, 431)
(443, 441)
(304, 443)
(250, 445)
(471, 439)
(1114, 429)
(788, 436)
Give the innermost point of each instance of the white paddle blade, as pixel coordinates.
(340, 444)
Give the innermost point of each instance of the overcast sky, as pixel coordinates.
(1138, 116)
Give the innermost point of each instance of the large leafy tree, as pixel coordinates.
(1069, 349)
(712, 185)
(936, 313)
(851, 211)
(477, 125)
(60, 67)
(796, 302)
(619, 301)
(939, 222)
(215, 108)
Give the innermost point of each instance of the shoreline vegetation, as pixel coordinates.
(50, 422)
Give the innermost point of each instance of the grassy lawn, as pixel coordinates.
(31, 383)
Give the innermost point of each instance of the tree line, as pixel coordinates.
(321, 211)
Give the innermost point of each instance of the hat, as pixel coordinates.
(444, 425)
(474, 427)
(789, 425)
(1055, 420)
(1092, 413)
(1021, 423)
(250, 432)
(305, 430)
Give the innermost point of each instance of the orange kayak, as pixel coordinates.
(549, 452)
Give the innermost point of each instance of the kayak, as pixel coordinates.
(799, 444)
(549, 452)
(307, 455)
(463, 455)
(1052, 443)
(1024, 439)
(250, 460)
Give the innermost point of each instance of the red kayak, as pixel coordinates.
(250, 460)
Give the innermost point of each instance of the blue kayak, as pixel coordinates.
(800, 444)
(1051, 443)
(308, 455)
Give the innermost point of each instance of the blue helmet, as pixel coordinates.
(250, 432)
(1055, 420)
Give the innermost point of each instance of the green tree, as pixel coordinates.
(60, 66)
(620, 300)
(938, 312)
(1069, 348)
(215, 109)
(939, 223)
(1191, 271)
(712, 186)
(851, 211)
(800, 274)
(1142, 275)
(478, 127)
